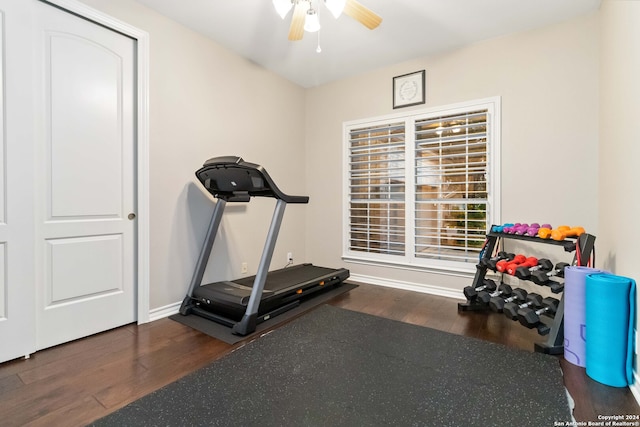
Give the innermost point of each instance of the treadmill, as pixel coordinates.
(244, 303)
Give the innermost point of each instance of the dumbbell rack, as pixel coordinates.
(555, 338)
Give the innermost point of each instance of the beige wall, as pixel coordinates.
(206, 102)
(548, 82)
(619, 152)
(620, 136)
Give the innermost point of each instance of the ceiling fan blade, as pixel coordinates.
(362, 14)
(296, 30)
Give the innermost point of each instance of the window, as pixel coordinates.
(422, 189)
(377, 189)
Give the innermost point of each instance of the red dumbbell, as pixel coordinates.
(501, 266)
(511, 266)
(529, 262)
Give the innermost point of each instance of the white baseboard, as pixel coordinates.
(166, 311)
(416, 287)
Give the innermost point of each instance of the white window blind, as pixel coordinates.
(451, 186)
(377, 189)
(422, 188)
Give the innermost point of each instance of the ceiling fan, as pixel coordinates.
(305, 17)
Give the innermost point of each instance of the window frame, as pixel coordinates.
(409, 260)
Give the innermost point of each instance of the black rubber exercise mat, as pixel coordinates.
(334, 367)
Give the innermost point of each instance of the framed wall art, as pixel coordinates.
(409, 89)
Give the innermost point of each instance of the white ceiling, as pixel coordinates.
(410, 29)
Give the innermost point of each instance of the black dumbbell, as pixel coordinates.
(471, 293)
(542, 277)
(484, 262)
(511, 308)
(491, 263)
(525, 272)
(556, 287)
(531, 318)
(497, 303)
(484, 297)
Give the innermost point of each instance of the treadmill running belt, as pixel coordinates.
(292, 277)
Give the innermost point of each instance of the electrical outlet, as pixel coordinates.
(244, 268)
(289, 257)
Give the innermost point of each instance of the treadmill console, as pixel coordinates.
(233, 179)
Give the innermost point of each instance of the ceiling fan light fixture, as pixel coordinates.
(282, 7)
(335, 7)
(311, 21)
(306, 17)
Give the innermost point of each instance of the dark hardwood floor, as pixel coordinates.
(79, 382)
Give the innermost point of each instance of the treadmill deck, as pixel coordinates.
(296, 280)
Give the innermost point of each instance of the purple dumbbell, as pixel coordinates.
(512, 229)
(533, 230)
(522, 229)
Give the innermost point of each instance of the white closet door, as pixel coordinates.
(17, 293)
(67, 178)
(85, 177)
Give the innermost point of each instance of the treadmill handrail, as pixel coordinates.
(233, 179)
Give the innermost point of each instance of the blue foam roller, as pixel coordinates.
(610, 316)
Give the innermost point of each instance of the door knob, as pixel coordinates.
(131, 216)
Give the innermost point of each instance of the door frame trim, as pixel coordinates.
(142, 140)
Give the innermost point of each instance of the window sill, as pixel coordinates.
(453, 269)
